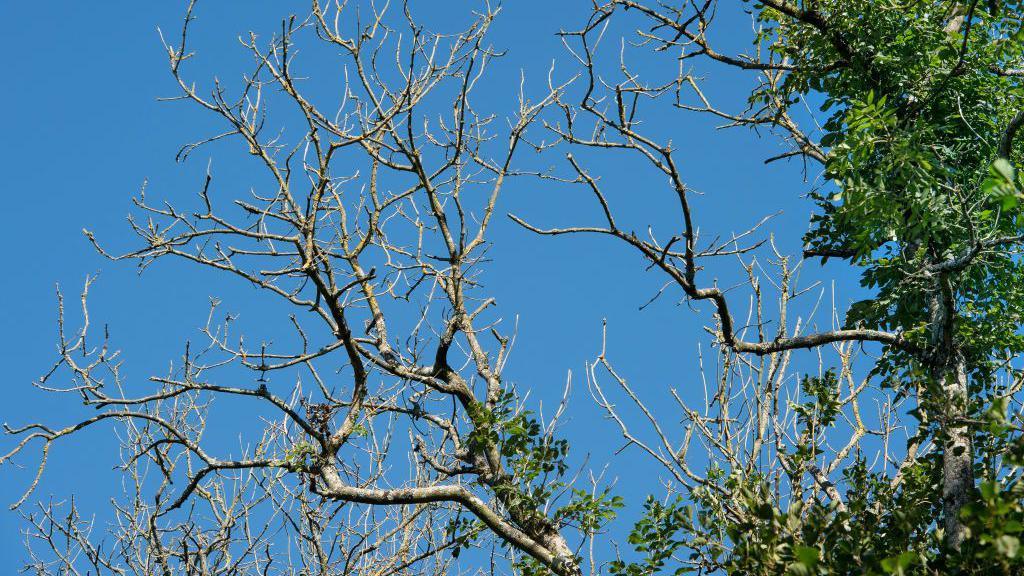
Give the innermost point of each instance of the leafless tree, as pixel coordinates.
(330, 239)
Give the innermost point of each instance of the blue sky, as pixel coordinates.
(83, 130)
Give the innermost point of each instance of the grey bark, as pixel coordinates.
(957, 455)
(949, 370)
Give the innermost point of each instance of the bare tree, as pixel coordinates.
(376, 207)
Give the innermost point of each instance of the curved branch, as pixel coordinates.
(728, 336)
(334, 488)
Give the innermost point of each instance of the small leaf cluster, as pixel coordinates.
(300, 456)
(537, 464)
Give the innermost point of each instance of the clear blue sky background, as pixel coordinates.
(82, 129)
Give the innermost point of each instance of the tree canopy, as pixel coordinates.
(404, 448)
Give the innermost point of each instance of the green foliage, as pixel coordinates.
(1002, 185)
(463, 532)
(589, 512)
(656, 536)
(821, 407)
(915, 116)
(300, 456)
(880, 530)
(913, 129)
(536, 463)
(919, 199)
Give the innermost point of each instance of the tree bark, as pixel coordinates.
(957, 455)
(949, 371)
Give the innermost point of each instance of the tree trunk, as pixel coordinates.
(958, 454)
(949, 371)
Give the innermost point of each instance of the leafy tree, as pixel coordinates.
(919, 104)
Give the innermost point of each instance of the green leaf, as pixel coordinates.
(807, 555)
(899, 564)
(1004, 169)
